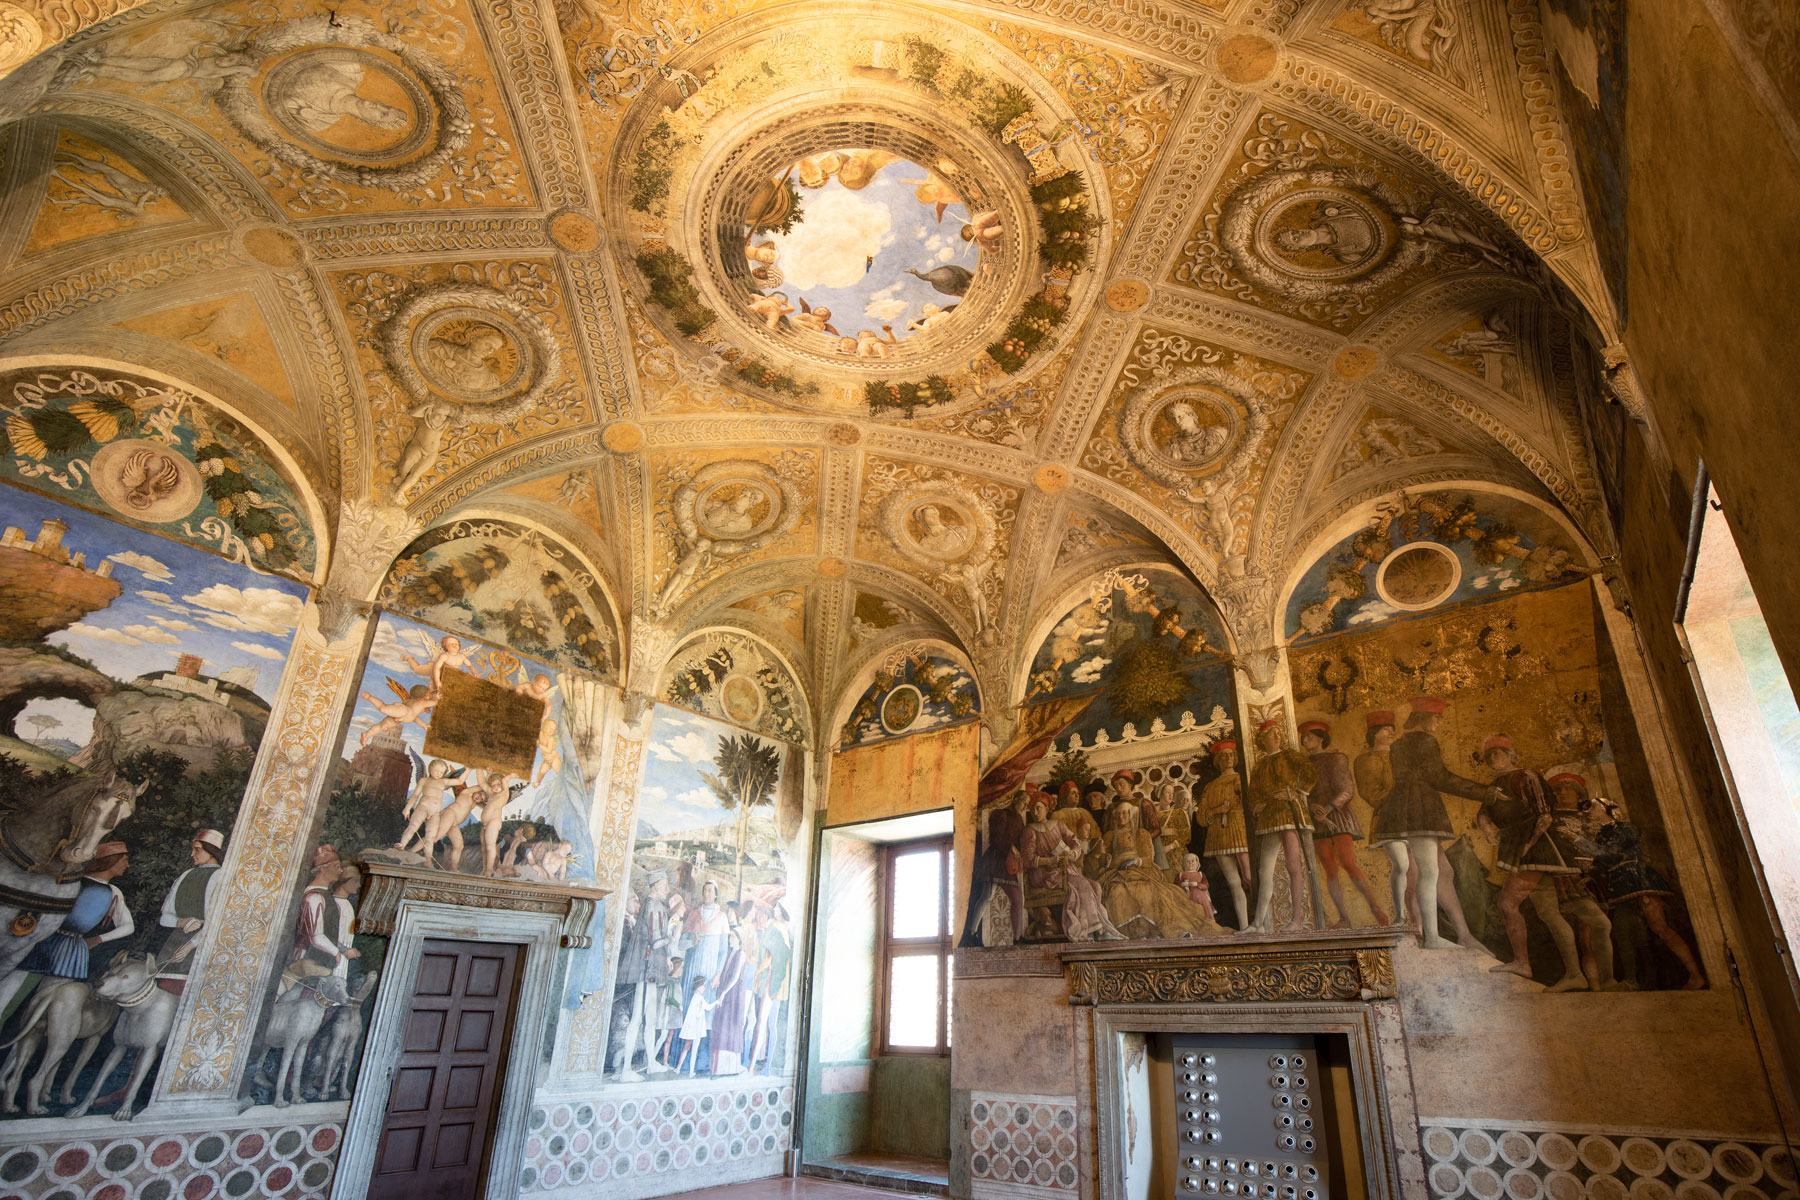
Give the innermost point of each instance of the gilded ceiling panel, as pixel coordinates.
(232, 329)
(461, 360)
(94, 189)
(369, 108)
(1311, 226)
(1191, 428)
(949, 529)
(718, 510)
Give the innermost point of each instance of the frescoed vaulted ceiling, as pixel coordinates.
(840, 327)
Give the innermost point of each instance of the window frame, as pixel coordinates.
(942, 946)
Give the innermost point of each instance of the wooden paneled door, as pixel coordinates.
(447, 1080)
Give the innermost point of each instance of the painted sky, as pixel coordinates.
(673, 796)
(825, 258)
(174, 600)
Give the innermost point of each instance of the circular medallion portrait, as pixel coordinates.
(1418, 576)
(346, 101)
(146, 481)
(741, 699)
(1324, 233)
(470, 354)
(1191, 430)
(350, 103)
(939, 531)
(735, 508)
(474, 347)
(901, 708)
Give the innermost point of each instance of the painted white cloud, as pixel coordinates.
(1089, 671)
(100, 633)
(885, 310)
(683, 747)
(175, 623)
(653, 795)
(1371, 612)
(699, 798)
(151, 568)
(831, 248)
(1506, 585)
(390, 644)
(946, 254)
(150, 633)
(164, 600)
(247, 610)
(253, 648)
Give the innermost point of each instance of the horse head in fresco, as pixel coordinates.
(43, 847)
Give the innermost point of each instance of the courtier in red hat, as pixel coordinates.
(1227, 838)
(1279, 785)
(1411, 823)
(1531, 848)
(1335, 828)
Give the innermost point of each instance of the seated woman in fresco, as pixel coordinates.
(1140, 900)
(1052, 860)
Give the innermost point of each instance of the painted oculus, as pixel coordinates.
(901, 708)
(1315, 233)
(741, 699)
(1418, 575)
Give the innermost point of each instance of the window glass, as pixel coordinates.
(913, 1001)
(918, 895)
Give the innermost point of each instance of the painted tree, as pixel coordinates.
(747, 771)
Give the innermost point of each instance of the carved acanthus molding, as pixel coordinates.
(389, 885)
(1328, 968)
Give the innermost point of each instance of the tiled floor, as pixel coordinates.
(783, 1188)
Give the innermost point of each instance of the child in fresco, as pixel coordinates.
(1193, 880)
(694, 1025)
(670, 1014)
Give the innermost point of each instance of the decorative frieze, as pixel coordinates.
(1327, 968)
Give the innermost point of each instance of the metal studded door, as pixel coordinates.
(1250, 1118)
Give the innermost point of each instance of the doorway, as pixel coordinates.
(446, 1082)
(878, 1071)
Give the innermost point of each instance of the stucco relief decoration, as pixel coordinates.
(943, 528)
(465, 354)
(341, 99)
(1196, 434)
(461, 360)
(1302, 220)
(728, 509)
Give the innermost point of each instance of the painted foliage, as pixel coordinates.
(460, 756)
(137, 676)
(733, 678)
(912, 693)
(1132, 688)
(508, 584)
(154, 456)
(1543, 805)
(707, 950)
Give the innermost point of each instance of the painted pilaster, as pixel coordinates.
(211, 1040)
